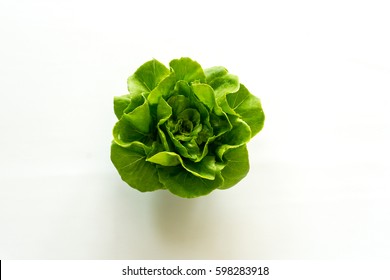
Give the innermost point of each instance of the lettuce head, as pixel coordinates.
(184, 128)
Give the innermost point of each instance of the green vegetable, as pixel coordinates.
(184, 129)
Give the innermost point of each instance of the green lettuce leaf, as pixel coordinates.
(239, 135)
(214, 72)
(120, 104)
(182, 183)
(134, 169)
(248, 107)
(236, 166)
(147, 77)
(204, 169)
(134, 126)
(225, 84)
(163, 89)
(187, 70)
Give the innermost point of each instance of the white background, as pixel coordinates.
(319, 181)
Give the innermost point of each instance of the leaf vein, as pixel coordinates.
(131, 163)
(242, 101)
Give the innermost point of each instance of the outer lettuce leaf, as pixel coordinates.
(165, 158)
(239, 135)
(135, 102)
(248, 108)
(236, 166)
(204, 169)
(163, 89)
(120, 104)
(134, 126)
(225, 84)
(182, 183)
(214, 72)
(147, 77)
(188, 70)
(134, 169)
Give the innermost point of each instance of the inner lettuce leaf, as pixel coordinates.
(184, 128)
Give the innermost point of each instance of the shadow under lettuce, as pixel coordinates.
(189, 228)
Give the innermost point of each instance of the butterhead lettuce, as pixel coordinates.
(184, 128)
